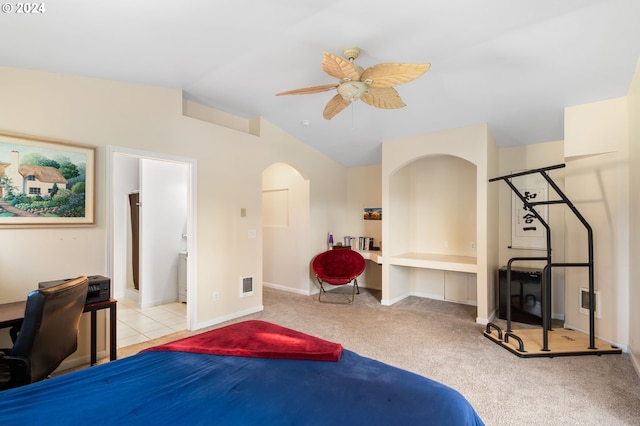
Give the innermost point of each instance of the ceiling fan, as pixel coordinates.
(373, 86)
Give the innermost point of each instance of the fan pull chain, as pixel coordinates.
(352, 116)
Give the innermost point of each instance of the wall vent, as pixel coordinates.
(246, 286)
(584, 302)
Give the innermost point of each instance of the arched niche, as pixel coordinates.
(431, 224)
(285, 224)
(434, 207)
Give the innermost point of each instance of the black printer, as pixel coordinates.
(99, 287)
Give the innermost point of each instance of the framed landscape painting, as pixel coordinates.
(45, 182)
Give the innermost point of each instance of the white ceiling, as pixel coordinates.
(514, 64)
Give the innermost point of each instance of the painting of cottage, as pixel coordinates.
(41, 183)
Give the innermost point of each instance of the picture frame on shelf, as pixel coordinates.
(45, 182)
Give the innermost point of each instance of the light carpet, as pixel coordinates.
(441, 340)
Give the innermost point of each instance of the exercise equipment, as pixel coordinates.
(533, 342)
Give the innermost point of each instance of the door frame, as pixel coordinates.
(192, 288)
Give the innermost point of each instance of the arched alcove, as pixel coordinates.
(433, 212)
(285, 229)
(440, 228)
(435, 197)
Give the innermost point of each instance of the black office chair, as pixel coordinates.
(48, 334)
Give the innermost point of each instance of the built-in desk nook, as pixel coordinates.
(440, 218)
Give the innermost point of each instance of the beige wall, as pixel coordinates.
(364, 189)
(101, 113)
(634, 215)
(474, 145)
(285, 226)
(597, 182)
(230, 163)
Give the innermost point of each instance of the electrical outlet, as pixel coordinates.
(446, 244)
(473, 246)
(251, 233)
(216, 296)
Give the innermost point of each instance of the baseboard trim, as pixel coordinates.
(635, 360)
(617, 345)
(229, 317)
(288, 289)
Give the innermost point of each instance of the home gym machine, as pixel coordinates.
(533, 342)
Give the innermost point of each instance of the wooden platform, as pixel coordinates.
(562, 342)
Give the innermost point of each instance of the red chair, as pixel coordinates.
(338, 267)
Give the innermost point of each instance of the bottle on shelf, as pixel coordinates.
(330, 241)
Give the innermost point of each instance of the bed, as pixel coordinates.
(248, 373)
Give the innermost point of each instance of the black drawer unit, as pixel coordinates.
(526, 295)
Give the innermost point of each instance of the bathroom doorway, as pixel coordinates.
(165, 186)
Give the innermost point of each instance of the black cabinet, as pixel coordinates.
(526, 295)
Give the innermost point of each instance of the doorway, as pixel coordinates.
(165, 185)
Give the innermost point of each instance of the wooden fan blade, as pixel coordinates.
(390, 74)
(335, 105)
(383, 97)
(339, 68)
(309, 90)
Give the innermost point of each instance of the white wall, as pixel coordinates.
(164, 195)
(127, 170)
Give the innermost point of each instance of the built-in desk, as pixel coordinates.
(374, 256)
(12, 314)
(445, 262)
(458, 288)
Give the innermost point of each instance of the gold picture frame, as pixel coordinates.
(45, 182)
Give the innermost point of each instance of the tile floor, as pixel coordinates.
(136, 325)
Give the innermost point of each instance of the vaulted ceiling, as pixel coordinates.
(512, 64)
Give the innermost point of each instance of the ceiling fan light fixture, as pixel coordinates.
(373, 86)
(352, 90)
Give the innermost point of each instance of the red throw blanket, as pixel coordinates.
(258, 339)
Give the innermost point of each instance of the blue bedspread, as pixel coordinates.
(177, 388)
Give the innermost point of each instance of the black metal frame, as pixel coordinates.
(546, 275)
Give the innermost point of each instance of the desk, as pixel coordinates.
(12, 314)
(92, 308)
